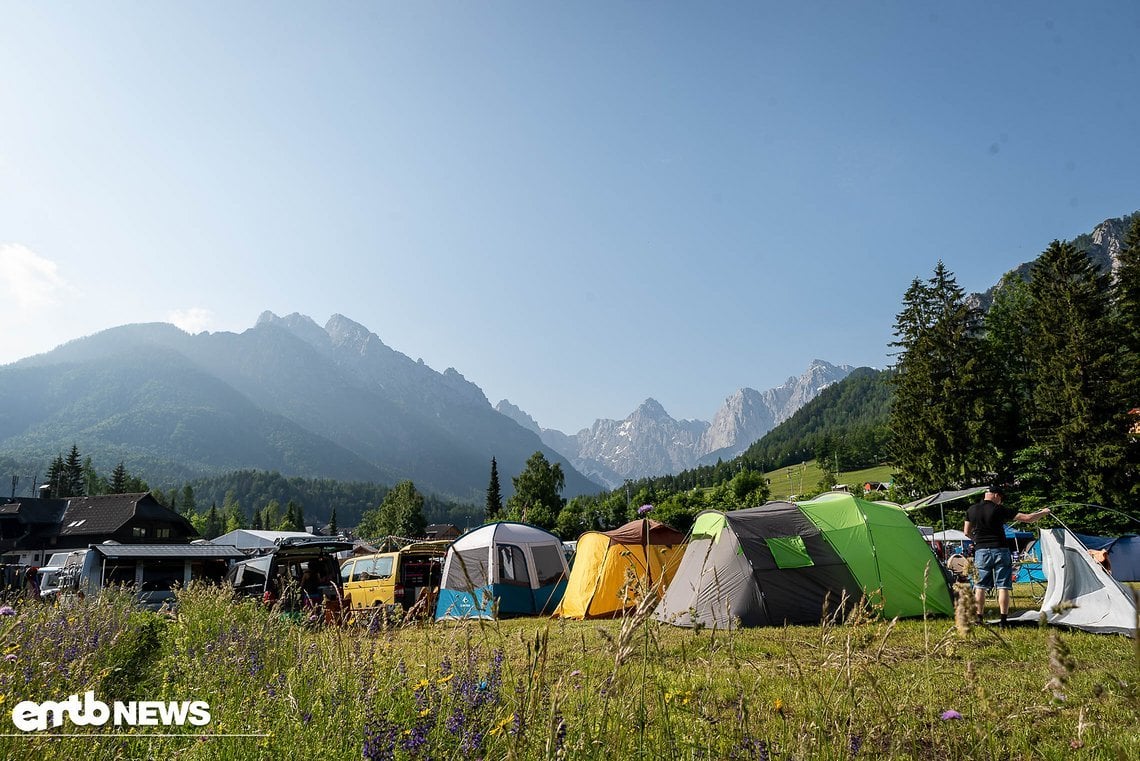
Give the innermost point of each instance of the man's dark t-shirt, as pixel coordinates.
(987, 521)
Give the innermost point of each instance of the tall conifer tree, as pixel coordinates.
(941, 416)
(494, 506)
(1076, 426)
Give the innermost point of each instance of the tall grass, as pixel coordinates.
(550, 689)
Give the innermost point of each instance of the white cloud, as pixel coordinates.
(192, 320)
(28, 280)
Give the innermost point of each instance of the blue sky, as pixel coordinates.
(576, 205)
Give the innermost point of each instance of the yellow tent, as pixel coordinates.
(612, 568)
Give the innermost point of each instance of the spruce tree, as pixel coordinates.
(1007, 349)
(55, 478)
(941, 416)
(332, 523)
(72, 477)
(119, 479)
(1074, 420)
(214, 526)
(494, 505)
(1126, 297)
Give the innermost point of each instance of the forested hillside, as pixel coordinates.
(845, 425)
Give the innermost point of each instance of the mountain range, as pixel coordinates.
(335, 402)
(331, 402)
(291, 396)
(650, 442)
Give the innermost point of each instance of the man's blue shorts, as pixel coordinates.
(995, 568)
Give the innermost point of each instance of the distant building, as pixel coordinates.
(252, 540)
(32, 528)
(441, 531)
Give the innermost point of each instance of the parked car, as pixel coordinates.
(394, 578)
(298, 573)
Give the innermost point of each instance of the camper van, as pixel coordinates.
(273, 575)
(393, 578)
(154, 571)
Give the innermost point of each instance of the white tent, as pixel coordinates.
(506, 568)
(1080, 593)
(249, 539)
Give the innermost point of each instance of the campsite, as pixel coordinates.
(798, 665)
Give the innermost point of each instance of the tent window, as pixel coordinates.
(1080, 578)
(512, 566)
(789, 552)
(547, 563)
(468, 569)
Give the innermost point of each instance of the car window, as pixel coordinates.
(346, 571)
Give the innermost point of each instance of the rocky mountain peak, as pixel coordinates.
(504, 407)
(300, 325)
(347, 334)
(652, 408)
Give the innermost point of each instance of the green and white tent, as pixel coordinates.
(799, 563)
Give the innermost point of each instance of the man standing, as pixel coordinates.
(985, 524)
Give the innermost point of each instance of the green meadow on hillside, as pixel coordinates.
(537, 688)
(805, 478)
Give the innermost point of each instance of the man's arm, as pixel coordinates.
(1030, 517)
(966, 530)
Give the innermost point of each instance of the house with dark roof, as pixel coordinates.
(441, 531)
(32, 528)
(123, 518)
(28, 528)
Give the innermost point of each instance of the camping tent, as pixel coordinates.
(505, 567)
(796, 563)
(1080, 593)
(643, 551)
(1123, 554)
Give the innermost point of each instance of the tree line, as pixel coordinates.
(1041, 391)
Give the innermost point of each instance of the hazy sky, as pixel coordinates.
(576, 205)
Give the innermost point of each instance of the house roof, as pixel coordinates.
(108, 513)
(35, 509)
(164, 551)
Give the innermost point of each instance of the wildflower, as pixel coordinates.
(778, 706)
(501, 726)
(644, 509)
(10, 657)
(7, 610)
(949, 715)
(422, 685)
(854, 743)
(445, 679)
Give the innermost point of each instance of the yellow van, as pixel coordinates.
(393, 578)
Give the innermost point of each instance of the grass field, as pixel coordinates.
(805, 478)
(538, 688)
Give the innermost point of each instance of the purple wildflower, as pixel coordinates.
(7, 610)
(644, 509)
(951, 714)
